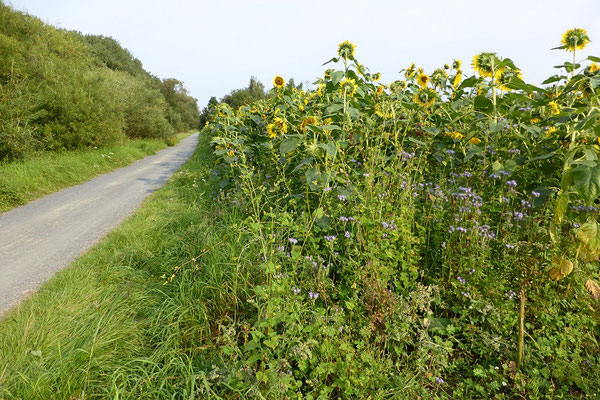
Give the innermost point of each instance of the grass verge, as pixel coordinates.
(107, 325)
(24, 181)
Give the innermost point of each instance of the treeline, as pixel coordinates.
(238, 97)
(61, 90)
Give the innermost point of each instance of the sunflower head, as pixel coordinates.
(455, 135)
(554, 107)
(346, 49)
(506, 75)
(594, 67)
(457, 64)
(348, 86)
(424, 97)
(410, 71)
(422, 80)
(485, 63)
(380, 89)
(308, 121)
(446, 66)
(439, 76)
(271, 131)
(457, 79)
(278, 82)
(474, 140)
(376, 77)
(575, 38)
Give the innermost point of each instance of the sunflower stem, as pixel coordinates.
(494, 90)
(521, 350)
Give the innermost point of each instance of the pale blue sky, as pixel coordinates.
(214, 46)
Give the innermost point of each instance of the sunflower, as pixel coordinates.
(575, 39)
(446, 66)
(308, 121)
(534, 120)
(271, 131)
(281, 124)
(422, 80)
(457, 64)
(348, 86)
(457, 79)
(484, 63)
(410, 71)
(380, 89)
(424, 97)
(455, 135)
(554, 107)
(505, 77)
(550, 130)
(594, 67)
(346, 50)
(439, 76)
(376, 77)
(474, 140)
(279, 82)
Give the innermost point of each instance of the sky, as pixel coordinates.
(215, 46)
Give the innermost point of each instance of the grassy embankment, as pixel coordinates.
(107, 326)
(48, 172)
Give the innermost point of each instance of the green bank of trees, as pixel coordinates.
(61, 90)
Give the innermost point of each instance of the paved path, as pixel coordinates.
(40, 238)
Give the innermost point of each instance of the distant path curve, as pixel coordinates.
(40, 238)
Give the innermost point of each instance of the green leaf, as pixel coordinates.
(329, 148)
(560, 207)
(587, 122)
(585, 179)
(562, 268)
(594, 59)
(337, 76)
(554, 78)
(288, 145)
(469, 82)
(589, 236)
(482, 103)
(304, 162)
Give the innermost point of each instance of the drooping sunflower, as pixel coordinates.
(346, 50)
(424, 97)
(278, 82)
(594, 67)
(474, 140)
(348, 86)
(422, 80)
(410, 71)
(439, 76)
(506, 75)
(486, 62)
(281, 124)
(457, 64)
(380, 89)
(554, 107)
(457, 79)
(575, 38)
(271, 131)
(312, 120)
(376, 77)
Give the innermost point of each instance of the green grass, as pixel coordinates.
(108, 326)
(45, 173)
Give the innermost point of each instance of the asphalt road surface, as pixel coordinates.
(40, 238)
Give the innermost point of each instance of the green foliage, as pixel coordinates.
(239, 97)
(62, 90)
(390, 229)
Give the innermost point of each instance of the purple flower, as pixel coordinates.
(535, 194)
(439, 380)
(296, 290)
(450, 152)
(461, 279)
(330, 238)
(313, 296)
(293, 240)
(341, 197)
(510, 246)
(347, 234)
(511, 184)
(344, 219)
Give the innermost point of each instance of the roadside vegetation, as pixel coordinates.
(434, 238)
(62, 90)
(35, 176)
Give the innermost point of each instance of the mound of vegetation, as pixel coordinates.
(436, 237)
(64, 90)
